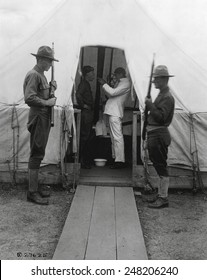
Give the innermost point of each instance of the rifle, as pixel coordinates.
(148, 187)
(148, 96)
(197, 178)
(52, 92)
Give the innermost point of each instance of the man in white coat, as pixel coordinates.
(114, 109)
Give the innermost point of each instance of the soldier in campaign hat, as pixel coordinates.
(158, 137)
(37, 97)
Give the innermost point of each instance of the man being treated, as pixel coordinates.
(86, 103)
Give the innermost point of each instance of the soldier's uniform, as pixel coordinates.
(36, 89)
(36, 93)
(160, 116)
(86, 104)
(158, 134)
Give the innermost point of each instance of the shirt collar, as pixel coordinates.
(38, 69)
(164, 90)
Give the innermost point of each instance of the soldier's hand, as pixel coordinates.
(50, 102)
(53, 84)
(148, 100)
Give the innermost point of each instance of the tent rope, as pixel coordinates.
(13, 182)
(15, 127)
(63, 150)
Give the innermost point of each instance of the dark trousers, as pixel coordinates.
(39, 128)
(86, 135)
(158, 141)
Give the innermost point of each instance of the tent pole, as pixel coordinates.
(196, 166)
(110, 66)
(82, 57)
(100, 66)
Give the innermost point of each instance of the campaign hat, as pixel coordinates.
(45, 52)
(161, 71)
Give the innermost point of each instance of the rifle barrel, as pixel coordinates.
(52, 92)
(148, 96)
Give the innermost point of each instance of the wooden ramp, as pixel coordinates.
(103, 224)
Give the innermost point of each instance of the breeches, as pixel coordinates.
(85, 132)
(158, 141)
(117, 139)
(39, 128)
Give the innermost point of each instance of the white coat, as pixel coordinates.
(117, 97)
(114, 108)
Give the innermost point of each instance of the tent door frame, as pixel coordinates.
(135, 169)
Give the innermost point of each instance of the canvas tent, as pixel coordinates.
(121, 24)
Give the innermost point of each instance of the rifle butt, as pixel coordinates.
(52, 117)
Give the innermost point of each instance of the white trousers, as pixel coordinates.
(117, 138)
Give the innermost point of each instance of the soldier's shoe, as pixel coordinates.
(160, 202)
(44, 191)
(36, 198)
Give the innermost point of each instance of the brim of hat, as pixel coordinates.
(45, 57)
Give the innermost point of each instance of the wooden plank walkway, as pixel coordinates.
(102, 224)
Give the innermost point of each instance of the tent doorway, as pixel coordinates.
(105, 60)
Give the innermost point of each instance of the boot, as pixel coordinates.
(33, 194)
(36, 198)
(160, 202)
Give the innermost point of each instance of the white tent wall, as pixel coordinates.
(6, 143)
(200, 127)
(14, 144)
(59, 29)
(183, 146)
(114, 23)
(122, 24)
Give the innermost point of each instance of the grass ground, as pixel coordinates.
(29, 231)
(178, 232)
